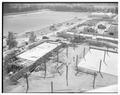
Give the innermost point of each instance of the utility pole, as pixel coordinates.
(57, 56)
(67, 75)
(76, 60)
(73, 42)
(26, 77)
(107, 51)
(100, 69)
(51, 86)
(84, 53)
(104, 57)
(45, 69)
(94, 80)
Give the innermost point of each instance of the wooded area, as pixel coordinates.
(70, 7)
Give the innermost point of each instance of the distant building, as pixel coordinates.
(96, 14)
(103, 24)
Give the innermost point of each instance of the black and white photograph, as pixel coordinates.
(59, 47)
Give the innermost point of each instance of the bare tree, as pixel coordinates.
(7, 63)
(32, 37)
(11, 40)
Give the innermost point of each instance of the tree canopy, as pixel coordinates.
(101, 26)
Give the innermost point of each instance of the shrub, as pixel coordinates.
(101, 26)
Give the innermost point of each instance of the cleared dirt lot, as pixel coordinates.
(76, 83)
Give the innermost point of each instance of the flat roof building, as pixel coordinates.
(39, 51)
(34, 57)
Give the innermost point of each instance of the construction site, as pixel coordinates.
(79, 55)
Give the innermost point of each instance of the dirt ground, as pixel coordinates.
(76, 83)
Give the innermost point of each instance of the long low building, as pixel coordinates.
(91, 35)
(96, 59)
(35, 56)
(39, 51)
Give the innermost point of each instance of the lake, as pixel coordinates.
(36, 20)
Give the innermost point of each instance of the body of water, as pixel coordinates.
(36, 20)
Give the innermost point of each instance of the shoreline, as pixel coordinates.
(34, 11)
(23, 13)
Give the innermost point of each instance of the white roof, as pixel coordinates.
(93, 58)
(39, 51)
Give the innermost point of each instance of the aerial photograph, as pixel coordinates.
(59, 47)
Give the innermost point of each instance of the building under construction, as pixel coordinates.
(35, 57)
